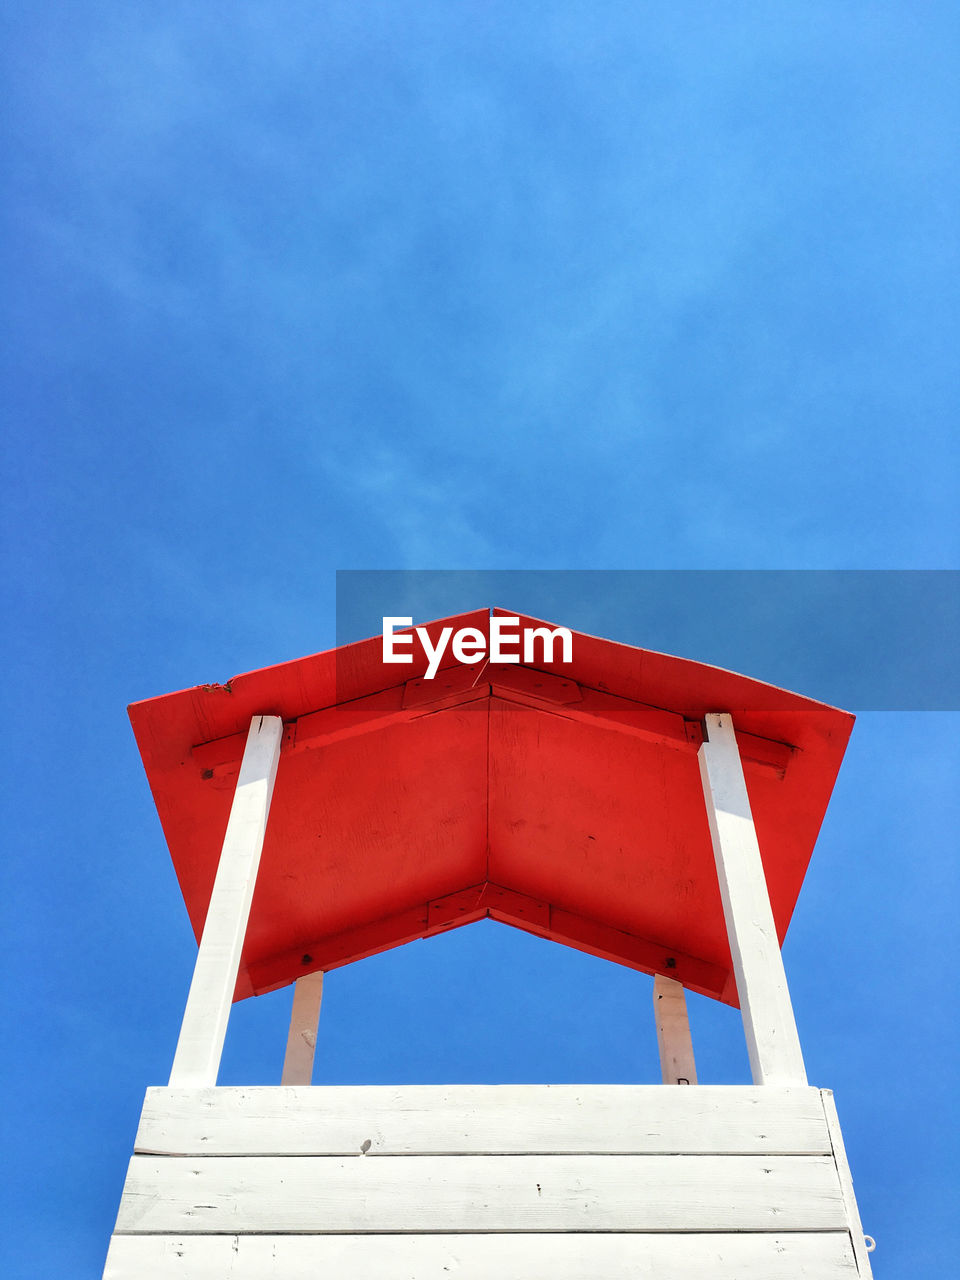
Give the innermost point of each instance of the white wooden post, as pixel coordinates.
(771, 1032)
(302, 1036)
(204, 1026)
(673, 1032)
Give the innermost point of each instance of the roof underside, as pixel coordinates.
(564, 799)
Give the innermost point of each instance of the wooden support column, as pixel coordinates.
(771, 1031)
(673, 1032)
(204, 1027)
(302, 1036)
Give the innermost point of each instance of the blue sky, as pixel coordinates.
(292, 288)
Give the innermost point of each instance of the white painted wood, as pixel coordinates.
(302, 1036)
(197, 1059)
(484, 1119)
(769, 1024)
(677, 1065)
(279, 1194)
(860, 1250)
(577, 1256)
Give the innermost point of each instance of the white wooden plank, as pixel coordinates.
(677, 1065)
(769, 1024)
(846, 1185)
(484, 1119)
(199, 1048)
(302, 1036)
(578, 1256)
(278, 1194)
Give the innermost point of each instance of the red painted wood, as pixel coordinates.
(565, 801)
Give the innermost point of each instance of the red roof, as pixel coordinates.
(561, 798)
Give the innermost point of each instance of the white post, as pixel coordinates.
(204, 1027)
(772, 1041)
(673, 1032)
(302, 1036)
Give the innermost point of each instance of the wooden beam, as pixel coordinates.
(677, 1065)
(763, 1255)
(478, 1119)
(197, 1059)
(475, 903)
(302, 1036)
(861, 1248)
(771, 1031)
(268, 1195)
(456, 687)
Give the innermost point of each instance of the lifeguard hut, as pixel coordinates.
(647, 809)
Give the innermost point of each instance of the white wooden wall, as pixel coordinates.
(513, 1182)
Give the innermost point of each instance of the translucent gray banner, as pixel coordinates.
(864, 640)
